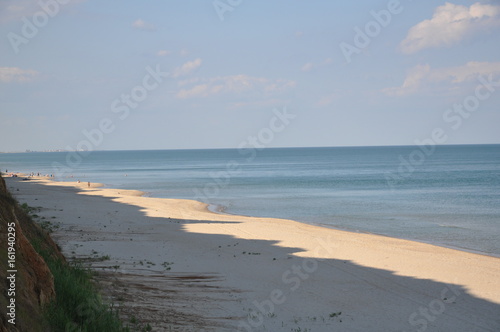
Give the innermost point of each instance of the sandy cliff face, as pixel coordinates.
(32, 285)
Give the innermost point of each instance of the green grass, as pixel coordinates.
(335, 314)
(167, 266)
(48, 226)
(45, 224)
(26, 208)
(78, 305)
(103, 258)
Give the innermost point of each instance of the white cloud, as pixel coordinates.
(411, 82)
(196, 91)
(234, 84)
(449, 25)
(326, 100)
(11, 11)
(186, 68)
(142, 25)
(308, 66)
(467, 72)
(163, 53)
(423, 75)
(188, 81)
(14, 74)
(328, 61)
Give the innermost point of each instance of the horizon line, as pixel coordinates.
(232, 148)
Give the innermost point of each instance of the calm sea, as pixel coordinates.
(446, 195)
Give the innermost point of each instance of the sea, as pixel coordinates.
(445, 195)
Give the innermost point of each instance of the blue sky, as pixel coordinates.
(227, 66)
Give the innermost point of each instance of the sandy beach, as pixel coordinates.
(180, 267)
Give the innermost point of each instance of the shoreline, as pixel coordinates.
(440, 245)
(250, 258)
(327, 226)
(222, 210)
(213, 208)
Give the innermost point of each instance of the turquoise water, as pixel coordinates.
(449, 195)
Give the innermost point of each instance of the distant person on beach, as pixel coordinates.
(78, 181)
(89, 184)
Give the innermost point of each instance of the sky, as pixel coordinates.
(127, 75)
